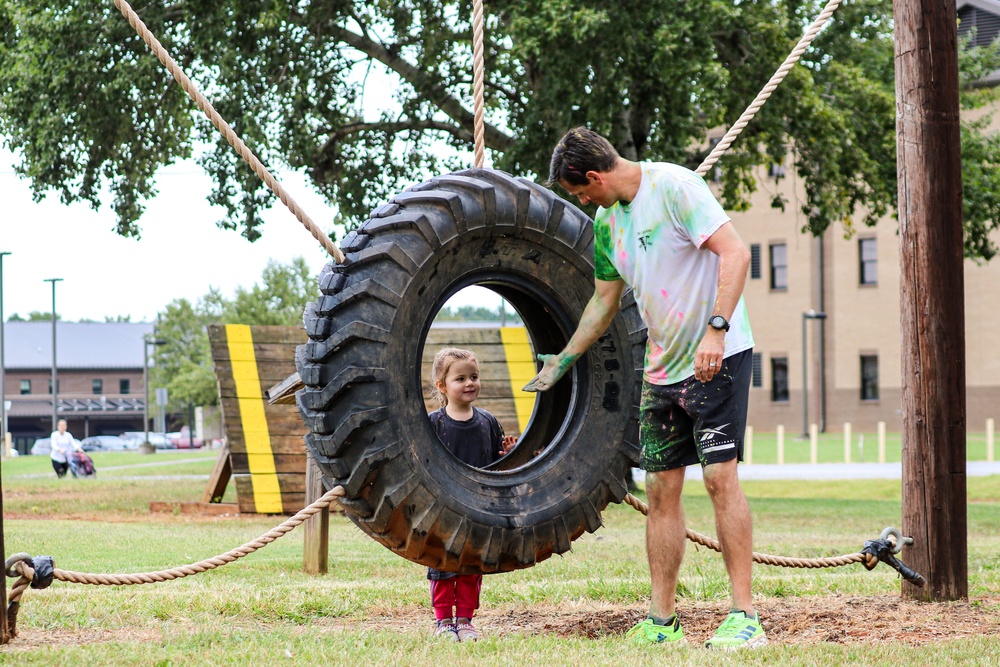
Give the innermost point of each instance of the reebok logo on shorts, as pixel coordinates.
(710, 433)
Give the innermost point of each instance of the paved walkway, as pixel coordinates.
(826, 471)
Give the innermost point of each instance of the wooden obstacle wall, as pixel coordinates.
(267, 452)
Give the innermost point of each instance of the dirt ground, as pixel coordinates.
(794, 621)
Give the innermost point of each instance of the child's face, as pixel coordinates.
(461, 384)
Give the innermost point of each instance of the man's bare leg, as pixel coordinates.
(733, 526)
(665, 535)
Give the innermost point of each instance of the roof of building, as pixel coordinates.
(28, 345)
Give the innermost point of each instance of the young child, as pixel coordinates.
(475, 437)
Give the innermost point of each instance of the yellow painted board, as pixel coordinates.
(520, 368)
(257, 439)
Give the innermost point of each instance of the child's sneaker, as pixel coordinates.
(466, 631)
(738, 631)
(648, 632)
(446, 630)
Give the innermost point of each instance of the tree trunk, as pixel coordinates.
(932, 288)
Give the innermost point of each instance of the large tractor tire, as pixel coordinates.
(363, 400)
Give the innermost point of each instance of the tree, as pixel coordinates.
(88, 107)
(184, 363)
(34, 316)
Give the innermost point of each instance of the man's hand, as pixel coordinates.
(709, 355)
(553, 368)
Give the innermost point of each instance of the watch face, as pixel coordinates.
(718, 322)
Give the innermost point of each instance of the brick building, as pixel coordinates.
(849, 363)
(99, 376)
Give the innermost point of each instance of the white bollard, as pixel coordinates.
(813, 444)
(847, 442)
(881, 442)
(989, 439)
(781, 444)
(748, 446)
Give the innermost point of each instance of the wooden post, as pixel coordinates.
(748, 446)
(880, 436)
(219, 479)
(932, 289)
(316, 546)
(780, 435)
(989, 439)
(813, 444)
(847, 442)
(4, 630)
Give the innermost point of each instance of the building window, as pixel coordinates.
(97, 387)
(868, 261)
(755, 261)
(57, 385)
(124, 386)
(25, 387)
(776, 171)
(757, 370)
(869, 377)
(779, 266)
(779, 379)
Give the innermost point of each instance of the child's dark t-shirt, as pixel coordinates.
(476, 441)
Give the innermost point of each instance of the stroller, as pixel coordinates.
(81, 465)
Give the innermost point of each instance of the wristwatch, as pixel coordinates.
(718, 322)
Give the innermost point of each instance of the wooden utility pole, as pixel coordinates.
(4, 630)
(932, 289)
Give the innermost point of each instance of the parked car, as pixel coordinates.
(157, 439)
(183, 441)
(43, 446)
(105, 443)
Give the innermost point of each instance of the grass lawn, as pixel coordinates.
(373, 607)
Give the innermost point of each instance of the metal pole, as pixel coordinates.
(145, 388)
(805, 379)
(55, 376)
(3, 369)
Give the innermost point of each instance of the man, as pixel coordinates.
(62, 447)
(660, 231)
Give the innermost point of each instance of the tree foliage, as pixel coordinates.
(88, 107)
(183, 364)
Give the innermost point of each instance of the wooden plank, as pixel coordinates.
(290, 501)
(219, 479)
(286, 482)
(280, 444)
(288, 463)
(283, 392)
(316, 540)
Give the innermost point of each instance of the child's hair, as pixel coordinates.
(442, 362)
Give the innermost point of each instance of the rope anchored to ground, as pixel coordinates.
(883, 549)
(38, 572)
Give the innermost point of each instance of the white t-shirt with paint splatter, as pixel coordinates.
(654, 244)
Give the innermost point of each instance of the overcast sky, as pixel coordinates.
(181, 253)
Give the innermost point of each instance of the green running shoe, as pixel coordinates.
(738, 631)
(647, 632)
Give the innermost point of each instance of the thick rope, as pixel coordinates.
(219, 122)
(767, 559)
(27, 573)
(765, 93)
(479, 129)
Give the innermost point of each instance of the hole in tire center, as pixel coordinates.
(504, 326)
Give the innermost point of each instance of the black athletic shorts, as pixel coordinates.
(692, 422)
